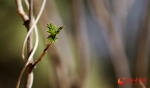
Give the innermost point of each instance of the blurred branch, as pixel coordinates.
(113, 38)
(121, 9)
(142, 63)
(81, 41)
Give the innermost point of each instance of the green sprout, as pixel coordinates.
(53, 31)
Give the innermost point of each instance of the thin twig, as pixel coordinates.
(44, 52)
(29, 76)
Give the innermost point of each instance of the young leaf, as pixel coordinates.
(53, 31)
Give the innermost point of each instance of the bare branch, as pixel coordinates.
(21, 10)
(44, 52)
(23, 15)
(142, 63)
(28, 34)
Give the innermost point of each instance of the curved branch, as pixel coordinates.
(36, 43)
(21, 11)
(31, 29)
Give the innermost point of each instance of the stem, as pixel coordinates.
(29, 74)
(44, 52)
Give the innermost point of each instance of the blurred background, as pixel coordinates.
(102, 41)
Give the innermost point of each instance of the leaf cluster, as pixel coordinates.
(53, 30)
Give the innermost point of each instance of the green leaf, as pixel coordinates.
(53, 30)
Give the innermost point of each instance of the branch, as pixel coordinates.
(29, 32)
(53, 31)
(41, 56)
(29, 74)
(21, 12)
(19, 5)
(142, 63)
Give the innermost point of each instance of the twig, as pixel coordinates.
(53, 31)
(44, 52)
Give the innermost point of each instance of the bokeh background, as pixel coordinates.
(102, 41)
